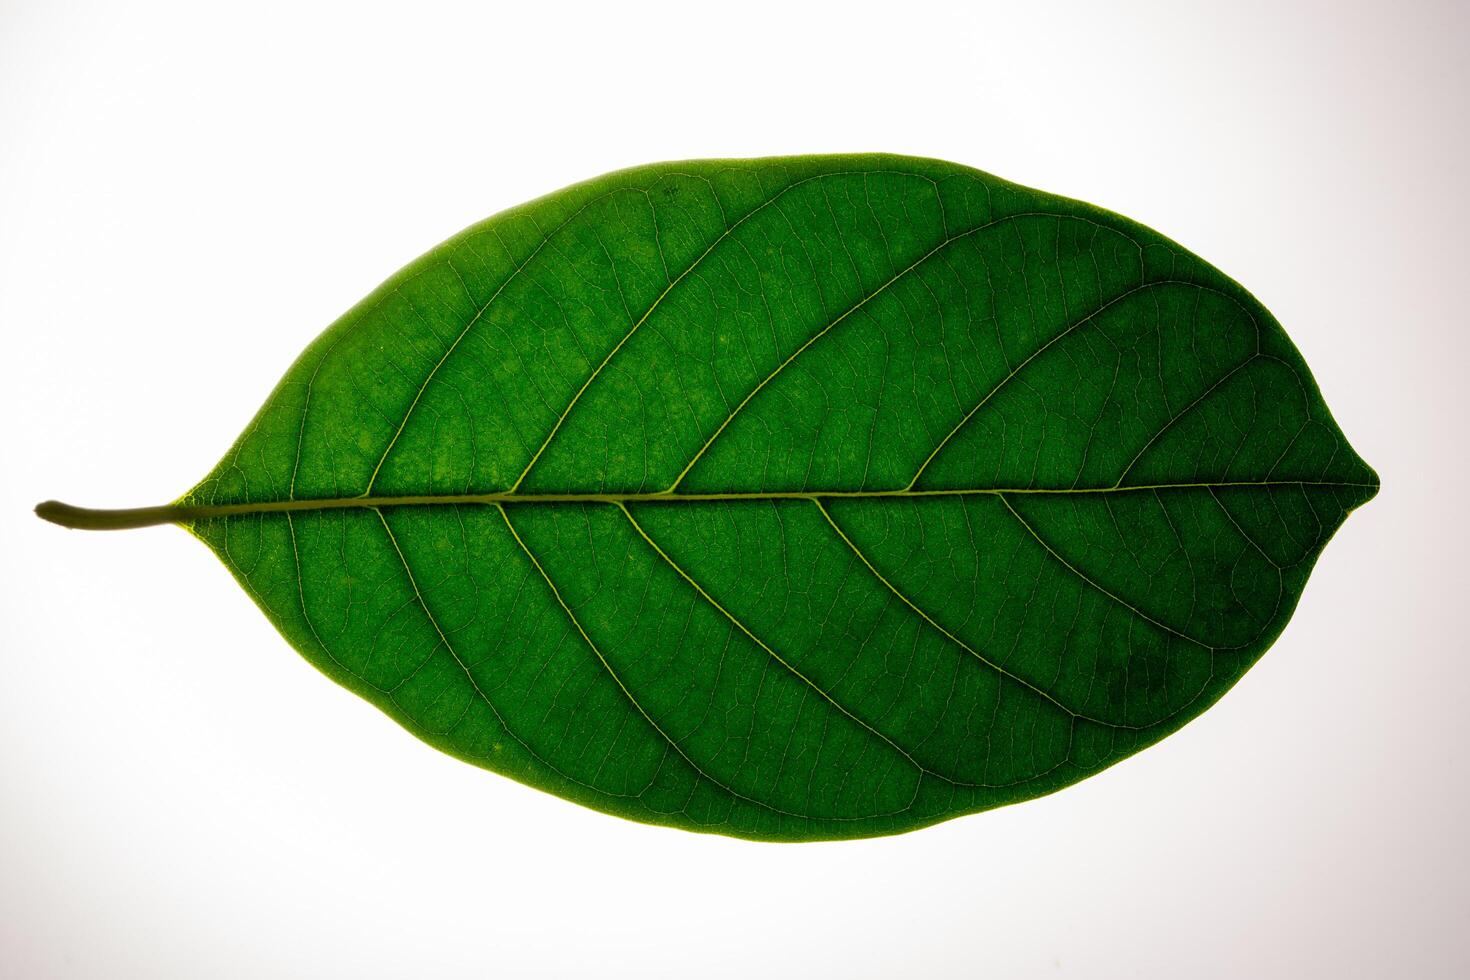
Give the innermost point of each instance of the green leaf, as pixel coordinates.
(789, 499)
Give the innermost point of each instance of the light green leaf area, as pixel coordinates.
(790, 499)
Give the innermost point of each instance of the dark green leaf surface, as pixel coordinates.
(790, 499)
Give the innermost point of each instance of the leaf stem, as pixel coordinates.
(90, 519)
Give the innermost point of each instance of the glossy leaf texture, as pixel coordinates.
(790, 499)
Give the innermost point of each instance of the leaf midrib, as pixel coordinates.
(90, 518)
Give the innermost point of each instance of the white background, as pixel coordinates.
(188, 195)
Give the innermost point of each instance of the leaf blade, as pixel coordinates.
(1039, 484)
